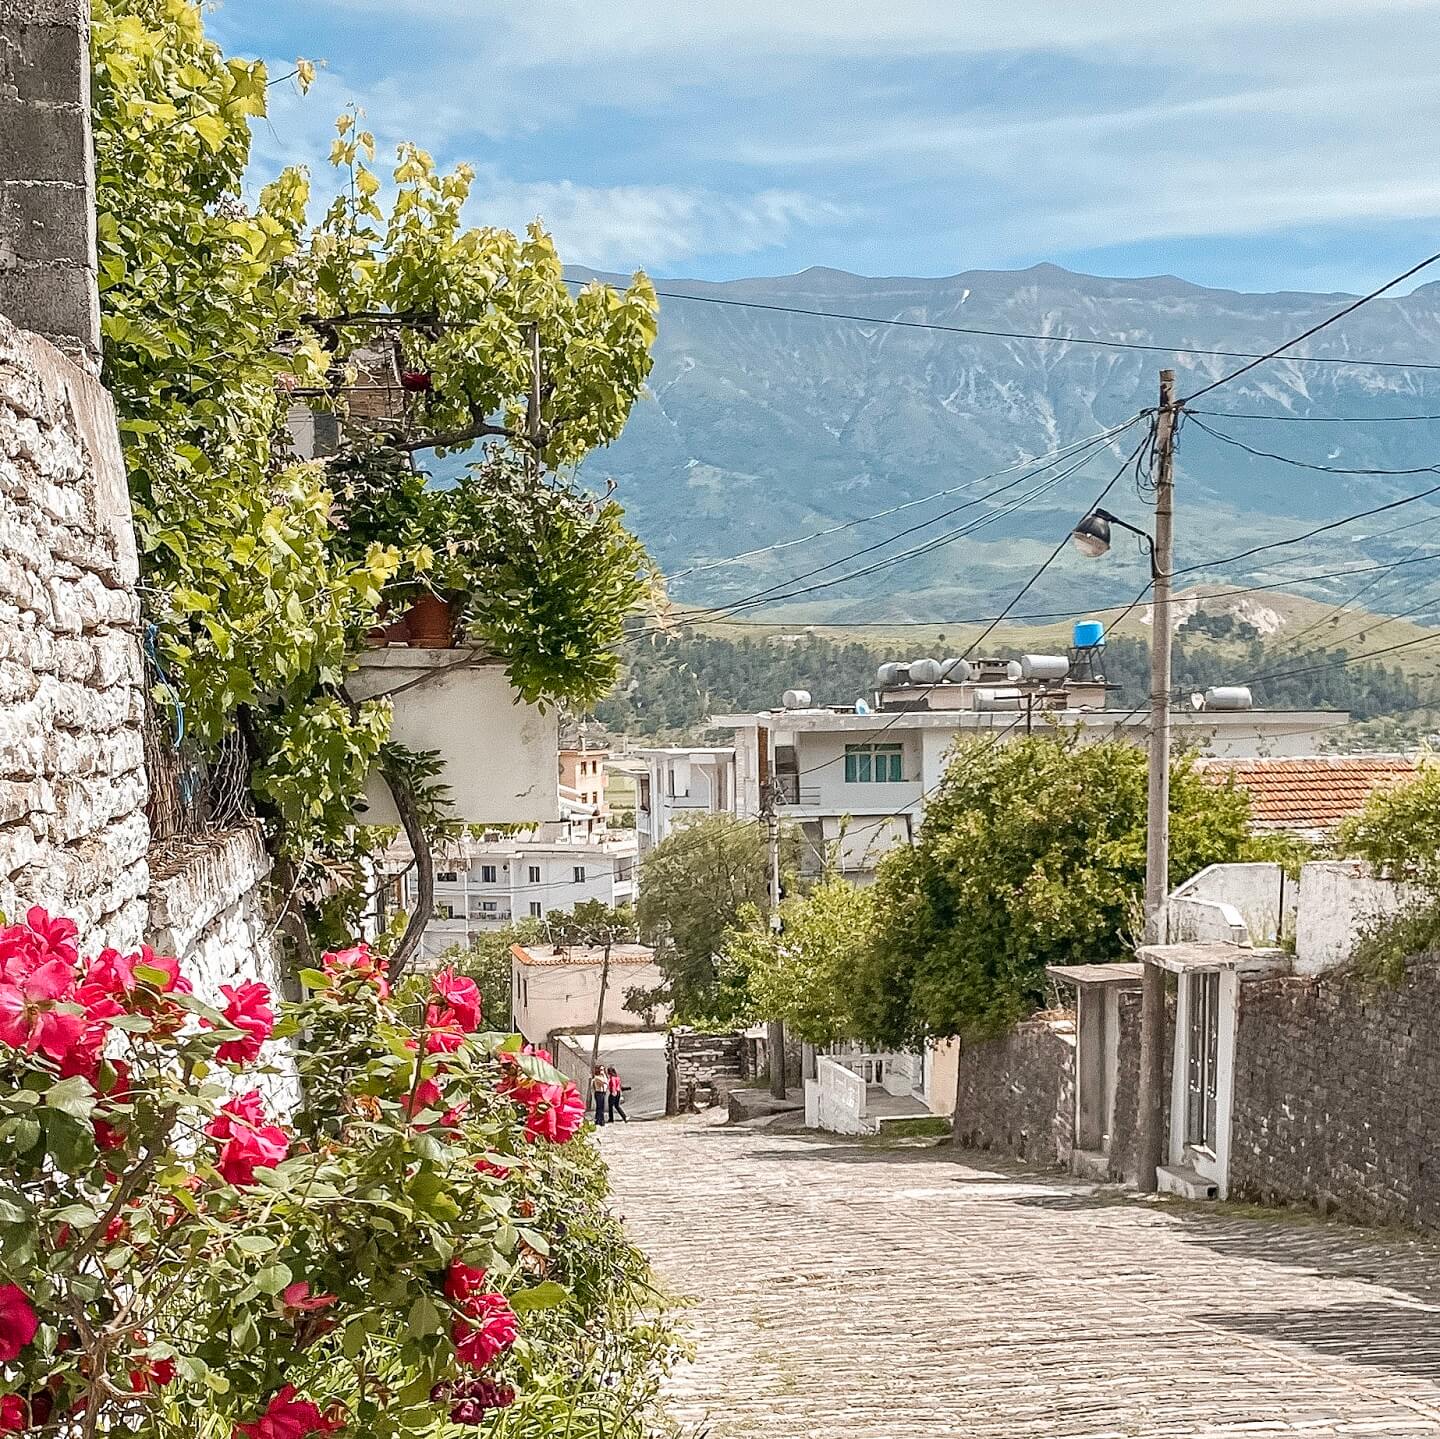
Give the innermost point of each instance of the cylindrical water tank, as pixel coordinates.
(924, 672)
(955, 671)
(796, 699)
(997, 699)
(1044, 667)
(1228, 697)
(888, 675)
(1088, 633)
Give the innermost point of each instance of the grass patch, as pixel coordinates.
(929, 1126)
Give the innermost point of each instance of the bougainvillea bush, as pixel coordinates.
(421, 1248)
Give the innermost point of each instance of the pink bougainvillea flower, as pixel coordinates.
(248, 1009)
(358, 962)
(297, 1299)
(17, 1322)
(14, 1414)
(461, 996)
(109, 973)
(174, 982)
(553, 1112)
(287, 1417)
(30, 993)
(152, 1374)
(486, 1330)
(249, 1142)
(495, 1171)
(464, 1282)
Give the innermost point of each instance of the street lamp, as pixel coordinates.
(1092, 538)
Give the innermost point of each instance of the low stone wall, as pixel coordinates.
(209, 908)
(73, 834)
(702, 1065)
(1336, 1088)
(1016, 1093)
(1124, 1138)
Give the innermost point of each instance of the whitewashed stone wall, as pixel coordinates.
(73, 834)
(209, 907)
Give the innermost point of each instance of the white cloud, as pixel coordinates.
(627, 226)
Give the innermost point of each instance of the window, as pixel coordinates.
(488, 906)
(534, 909)
(525, 991)
(488, 874)
(448, 876)
(579, 874)
(444, 911)
(533, 873)
(873, 763)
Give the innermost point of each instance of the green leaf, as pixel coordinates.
(254, 1243)
(315, 979)
(80, 1215)
(424, 1317)
(73, 1096)
(273, 1278)
(548, 1295)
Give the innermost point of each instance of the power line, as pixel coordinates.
(1306, 464)
(1054, 339)
(1316, 419)
(1063, 451)
(1313, 330)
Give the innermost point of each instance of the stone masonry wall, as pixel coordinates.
(73, 834)
(1124, 1138)
(1337, 1082)
(209, 907)
(1016, 1094)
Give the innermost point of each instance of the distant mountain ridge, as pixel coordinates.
(761, 426)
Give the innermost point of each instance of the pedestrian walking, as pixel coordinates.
(600, 1090)
(616, 1108)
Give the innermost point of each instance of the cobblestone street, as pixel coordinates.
(843, 1290)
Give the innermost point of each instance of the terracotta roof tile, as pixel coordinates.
(1310, 793)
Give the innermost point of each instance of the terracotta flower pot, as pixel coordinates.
(431, 622)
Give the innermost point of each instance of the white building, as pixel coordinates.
(557, 990)
(855, 782)
(486, 883)
(679, 783)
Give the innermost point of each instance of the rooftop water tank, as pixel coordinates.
(796, 699)
(924, 672)
(955, 671)
(1038, 667)
(1088, 633)
(998, 699)
(1228, 697)
(889, 675)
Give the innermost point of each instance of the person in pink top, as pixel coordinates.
(616, 1108)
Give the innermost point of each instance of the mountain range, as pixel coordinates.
(762, 426)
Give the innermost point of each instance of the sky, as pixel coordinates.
(1252, 144)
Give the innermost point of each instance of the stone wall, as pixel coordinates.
(1016, 1093)
(47, 216)
(209, 906)
(1336, 1086)
(1124, 1137)
(72, 784)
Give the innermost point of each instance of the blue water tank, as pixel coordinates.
(1087, 633)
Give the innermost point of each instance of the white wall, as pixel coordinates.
(550, 997)
(1339, 901)
(500, 754)
(835, 1100)
(1262, 893)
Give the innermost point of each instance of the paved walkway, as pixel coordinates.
(845, 1292)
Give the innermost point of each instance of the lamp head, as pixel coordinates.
(1092, 535)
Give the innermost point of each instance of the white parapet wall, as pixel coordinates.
(1340, 900)
(839, 1100)
(1261, 899)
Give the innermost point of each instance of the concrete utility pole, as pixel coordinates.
(600, 1008)
(1157, 829)
(774, 1028)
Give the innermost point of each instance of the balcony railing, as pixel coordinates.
(789, 790)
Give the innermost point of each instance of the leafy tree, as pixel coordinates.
(1032, 853)
(261, 574)
(694, 887)
(1398, 831)
(803, 975)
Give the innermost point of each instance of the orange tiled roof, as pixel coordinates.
(1311, 793)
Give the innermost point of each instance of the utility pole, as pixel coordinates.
(1157, 828)
(600, 1009)
(774, 1028)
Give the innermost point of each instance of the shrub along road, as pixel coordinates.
(849, 1292)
